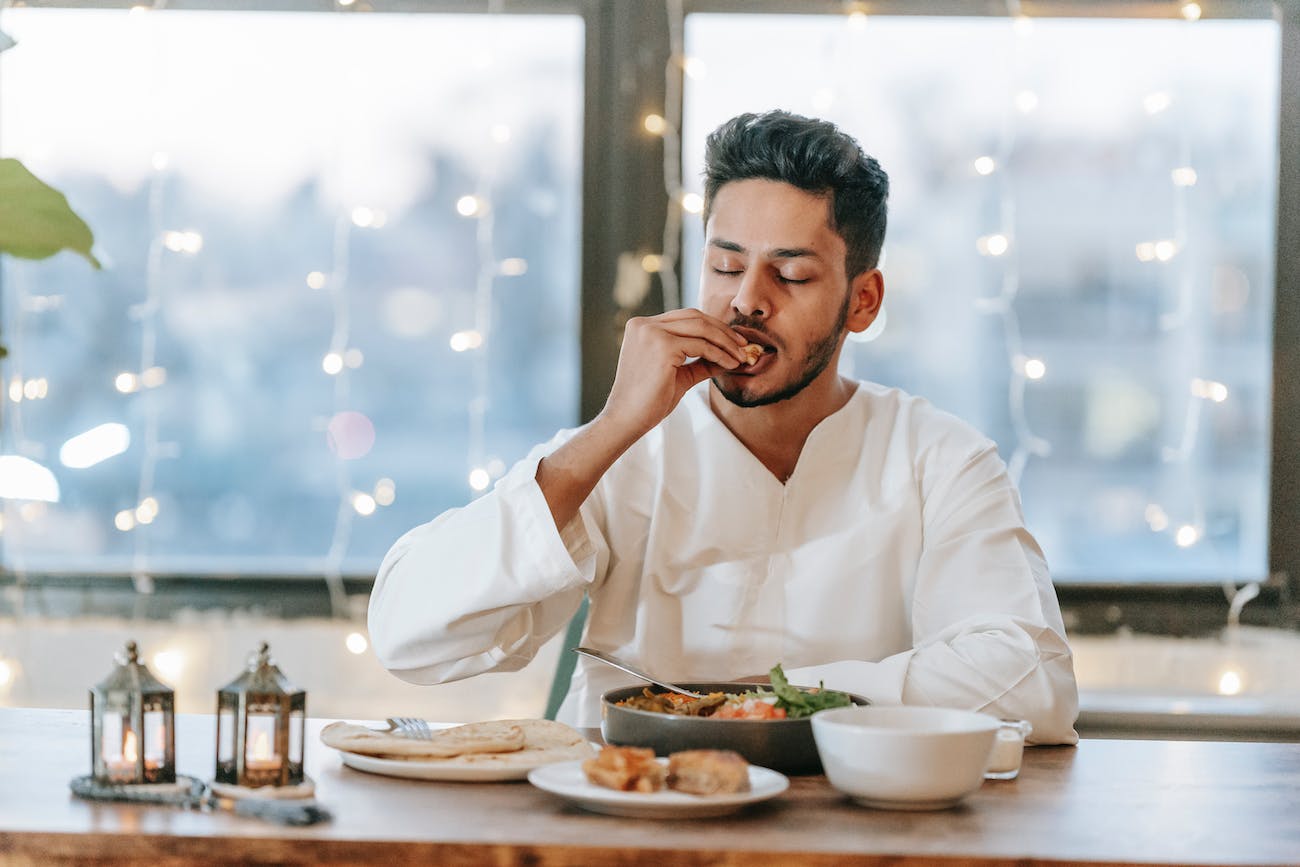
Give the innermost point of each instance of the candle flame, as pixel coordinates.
(261, 747)
(130, 751)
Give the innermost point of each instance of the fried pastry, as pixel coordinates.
(708, 772)
(627, 769)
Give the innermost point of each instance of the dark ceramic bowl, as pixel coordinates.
(784, 745)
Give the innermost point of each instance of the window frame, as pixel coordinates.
(628, 46)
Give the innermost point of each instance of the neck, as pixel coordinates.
(776, 433)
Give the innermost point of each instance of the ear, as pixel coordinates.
(867, 293)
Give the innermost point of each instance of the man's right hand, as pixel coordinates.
(662, 358)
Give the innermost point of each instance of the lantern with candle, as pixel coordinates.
(133, 725)
(260, 718)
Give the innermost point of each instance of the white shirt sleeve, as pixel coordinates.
(482, 587)
(987, 633)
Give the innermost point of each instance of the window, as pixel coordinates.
(341, 291)
(1079, 258)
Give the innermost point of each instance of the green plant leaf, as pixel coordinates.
(35, 219)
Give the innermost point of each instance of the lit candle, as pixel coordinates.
(123, 766)
(261, 758)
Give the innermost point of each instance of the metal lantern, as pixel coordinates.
(260, 717)
(133, 725)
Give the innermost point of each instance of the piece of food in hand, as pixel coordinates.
(708, 772)
(753, 352)
(627, 769)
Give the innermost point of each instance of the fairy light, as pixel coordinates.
(1183, 176)
(652, 263)
(479, 479)
(126, 382)
(463, 341)
(124, 520)
(1191, 11)
(1187, 536)
(992, 245)
(353, 358)
(6, 672)
(998, 245)
(170, 664)
(332, 363)
(1156, 518)
(315, 280)
(385, 492)
(514, 267)
(469, 206)
(1154, 103)
(1230, 682)
(655, 124)
(356, 643)
(692, 203)
(363, 503)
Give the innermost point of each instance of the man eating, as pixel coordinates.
(731, 507)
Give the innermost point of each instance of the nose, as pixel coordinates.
(751, 298)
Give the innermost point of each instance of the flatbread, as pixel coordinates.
(496, 736)
(753, 352)
(545, 742)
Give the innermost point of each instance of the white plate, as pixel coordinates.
(450, 770)
(567, 780)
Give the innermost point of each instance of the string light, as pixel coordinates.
(463, 341)
(652, 263)
(992, 245)
(655, 124)
(985, 165)
(170, 664)
(1183, 176)
(1191, 11)
(469, 206)
(356, 643)
(363, 503)
(1154, 103)
(95, 445)
(514, 267)
(692, 203)
(315, 280)
(385, 492)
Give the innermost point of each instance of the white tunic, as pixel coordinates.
(894, 563)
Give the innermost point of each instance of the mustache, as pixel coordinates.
(753, 323)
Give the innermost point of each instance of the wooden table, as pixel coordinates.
(1105, 802)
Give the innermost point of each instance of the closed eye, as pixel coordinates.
(790, 280)
(726, 273)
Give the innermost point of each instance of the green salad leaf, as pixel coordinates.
(798, 702)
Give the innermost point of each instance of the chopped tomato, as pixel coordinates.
(750, 708)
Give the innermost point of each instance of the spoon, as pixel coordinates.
(620, 664)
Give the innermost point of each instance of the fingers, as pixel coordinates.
(697, 335)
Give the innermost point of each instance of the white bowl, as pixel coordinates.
(904, 758)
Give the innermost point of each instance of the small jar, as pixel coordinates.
(1008, 749)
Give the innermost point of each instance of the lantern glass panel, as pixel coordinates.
(226, 735)
(262, 759)
(296, 721)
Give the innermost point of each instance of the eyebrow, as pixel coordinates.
(778, 253)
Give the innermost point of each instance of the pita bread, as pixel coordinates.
(544, 742)
(497, 736)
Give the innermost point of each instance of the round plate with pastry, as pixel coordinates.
(628, 781)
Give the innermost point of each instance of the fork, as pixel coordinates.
(411, 727)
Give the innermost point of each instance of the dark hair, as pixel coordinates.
(814, 156)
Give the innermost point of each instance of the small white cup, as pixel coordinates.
(1008, 750)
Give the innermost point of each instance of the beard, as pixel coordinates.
(816, 359)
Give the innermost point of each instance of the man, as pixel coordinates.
(723, 515)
